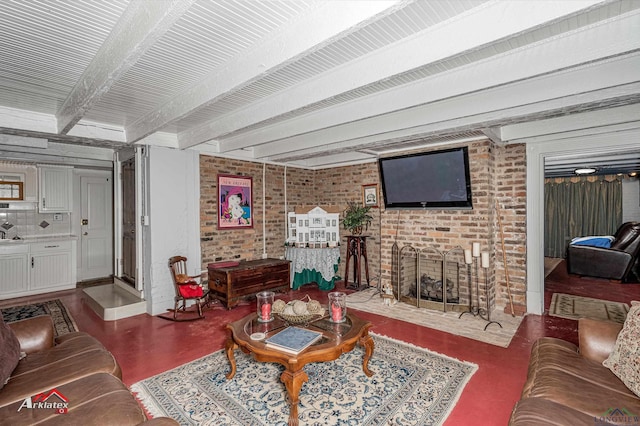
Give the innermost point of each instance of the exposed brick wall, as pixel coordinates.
(300, 189)
(339, 185)
(497, 173)
(247, 244)
(510, 192)
(446, 230)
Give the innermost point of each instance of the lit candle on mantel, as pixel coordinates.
(485, 259)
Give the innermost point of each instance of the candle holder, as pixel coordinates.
(485, 266)
(264, 301)
(471, 257)
(469, 260)
(337, 306)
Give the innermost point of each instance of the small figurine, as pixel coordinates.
(387, 295)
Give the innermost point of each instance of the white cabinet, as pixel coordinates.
(51, 265)
(14, 277)
(55, 189)
(33, 268)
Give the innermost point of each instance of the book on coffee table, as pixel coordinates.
(293, 340)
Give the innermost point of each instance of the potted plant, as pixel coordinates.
(356, 217)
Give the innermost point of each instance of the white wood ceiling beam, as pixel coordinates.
(211, 148)
(42, 125)
(604, 157)
(517, 102)
(335, 160)
(572, 134)
(485, 24)
(494, 134)
(517, 133)
(305, 35)
(515, 66)
(362, 144)
(92, 130)
(139, 27)
(167, 140)
(54, 159)
(23, 141)
(55, 149)
(27, 120)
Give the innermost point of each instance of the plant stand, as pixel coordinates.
(356, 250)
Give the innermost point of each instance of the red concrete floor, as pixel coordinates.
(145, 345)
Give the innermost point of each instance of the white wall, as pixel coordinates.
(631, 200)
(173, 195)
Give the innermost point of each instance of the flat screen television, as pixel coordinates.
(428, 180)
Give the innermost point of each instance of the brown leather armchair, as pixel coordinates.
(613, 263)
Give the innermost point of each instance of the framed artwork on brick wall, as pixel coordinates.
(370, 195)
(235, 202)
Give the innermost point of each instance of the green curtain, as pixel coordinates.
(577, 209)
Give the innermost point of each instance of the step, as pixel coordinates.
(111, 302)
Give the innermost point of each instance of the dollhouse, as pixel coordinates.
(315, 228)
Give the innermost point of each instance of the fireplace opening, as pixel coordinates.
(433, 289)
(428, 278)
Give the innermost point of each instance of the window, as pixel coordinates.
(11, 190)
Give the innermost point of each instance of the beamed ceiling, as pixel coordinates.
(315, 83)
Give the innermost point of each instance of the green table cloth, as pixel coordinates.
(309, 265)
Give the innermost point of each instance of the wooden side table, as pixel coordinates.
(356, 249)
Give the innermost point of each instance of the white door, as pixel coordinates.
(96, 230)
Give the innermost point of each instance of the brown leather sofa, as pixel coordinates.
(78, 368)
(568, 385)
(614, 263)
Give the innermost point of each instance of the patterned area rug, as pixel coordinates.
(410, 386)
(575, 307)
(468, 326)
(63, 323)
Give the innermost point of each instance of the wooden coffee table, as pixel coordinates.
(337, 339)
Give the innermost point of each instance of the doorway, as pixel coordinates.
(129, 221)
(623, 141)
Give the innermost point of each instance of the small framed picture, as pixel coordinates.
(370, 195)
(235, 202)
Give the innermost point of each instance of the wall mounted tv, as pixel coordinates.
(428, 180)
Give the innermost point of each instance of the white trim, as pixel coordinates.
(141, 161)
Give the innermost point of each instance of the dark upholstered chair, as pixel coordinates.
(613, 263)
